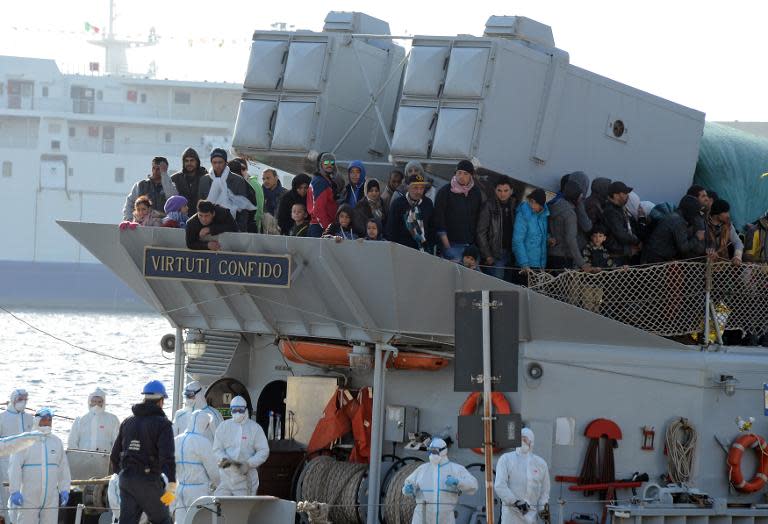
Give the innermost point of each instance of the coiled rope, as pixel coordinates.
(680, 440)
(398, 508)
(335, 483)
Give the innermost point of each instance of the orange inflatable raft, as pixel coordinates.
(322, 354)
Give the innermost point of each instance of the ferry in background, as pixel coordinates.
(72, 146)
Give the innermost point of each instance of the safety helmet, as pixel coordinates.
(154, 389)
(44, 413)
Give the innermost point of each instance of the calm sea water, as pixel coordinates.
(61, 376)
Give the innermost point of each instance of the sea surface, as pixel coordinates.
(58, 375)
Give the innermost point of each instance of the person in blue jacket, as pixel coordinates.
(529, 240)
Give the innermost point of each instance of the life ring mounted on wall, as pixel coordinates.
(500, 405)
(735, 475)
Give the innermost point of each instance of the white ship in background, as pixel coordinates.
(72, 146)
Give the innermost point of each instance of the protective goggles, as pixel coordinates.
(435, 451)
(329, 162)
(238, 409)
(191, 394)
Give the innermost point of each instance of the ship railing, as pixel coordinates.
(670, 299)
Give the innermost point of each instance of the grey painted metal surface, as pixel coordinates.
(592, 367)
(248, 510)
(510, 100)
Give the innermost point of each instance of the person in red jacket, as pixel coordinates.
(321, 197)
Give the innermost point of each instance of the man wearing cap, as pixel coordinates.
(39, 477)
(158, 187)
(228, 190)
(722, 238)
(409, 221)
(457, 207)
(321, 196)
(623, 243)
(143, 451)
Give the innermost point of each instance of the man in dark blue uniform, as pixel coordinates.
(143, 451)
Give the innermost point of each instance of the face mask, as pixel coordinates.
(238, 417)
(19, 406)
(189, 402)
(435, 459)
(97, 409)
(525, 447)
(45, 430)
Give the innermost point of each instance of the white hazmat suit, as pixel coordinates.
(12, 422)
(524, 477)
(436, 485)
(241, 442)
(196, 470)
(40, 473)
(95, 431)
(194, 399)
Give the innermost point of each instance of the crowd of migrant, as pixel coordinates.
(503, 234)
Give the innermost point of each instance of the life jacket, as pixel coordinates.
(335, 422)
(756, 241)
(361, 427)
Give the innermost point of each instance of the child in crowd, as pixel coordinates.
(470, 258)
(176, 212)
(300, 220)
(143, 215)
(595, 253)
(373, 230)
(341, 229)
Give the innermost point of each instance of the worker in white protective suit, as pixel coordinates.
(96, 430)
(522, 483)
(437, 485)
(39, 476)
(12, 422)
(240, 447)
(196, 470)
(194, 399)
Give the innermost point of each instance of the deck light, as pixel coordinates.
(194, 343)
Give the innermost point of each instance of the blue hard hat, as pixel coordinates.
(155, 388)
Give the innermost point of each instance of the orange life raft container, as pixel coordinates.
(322, 354)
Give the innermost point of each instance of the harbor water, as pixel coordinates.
(118, 352)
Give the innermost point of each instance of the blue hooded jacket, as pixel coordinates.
(529, 241)
(352, 195)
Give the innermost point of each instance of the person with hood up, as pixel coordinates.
(676, 237)
(437, 485)
(13, 421)
(240, 447)
(157, 186)
(596, 201)
(529, 240)
(39, 476)
(239, 166)
(409, 221)
(297, 195)
(228, 190)
(369, 207)
(321, 196)
(353, 191)
(96, 430)
(522, 483)
(457, 208)
(143, 452)
(194, 400)
(196, 471)
(189, 181)
(373, 230)
(564, 252)
(176, 212)
(341, 229)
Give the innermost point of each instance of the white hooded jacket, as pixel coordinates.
(196, 470)
(242, 442)
(96, 430)
(12, 422)
(182, 417)
(522, 476)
